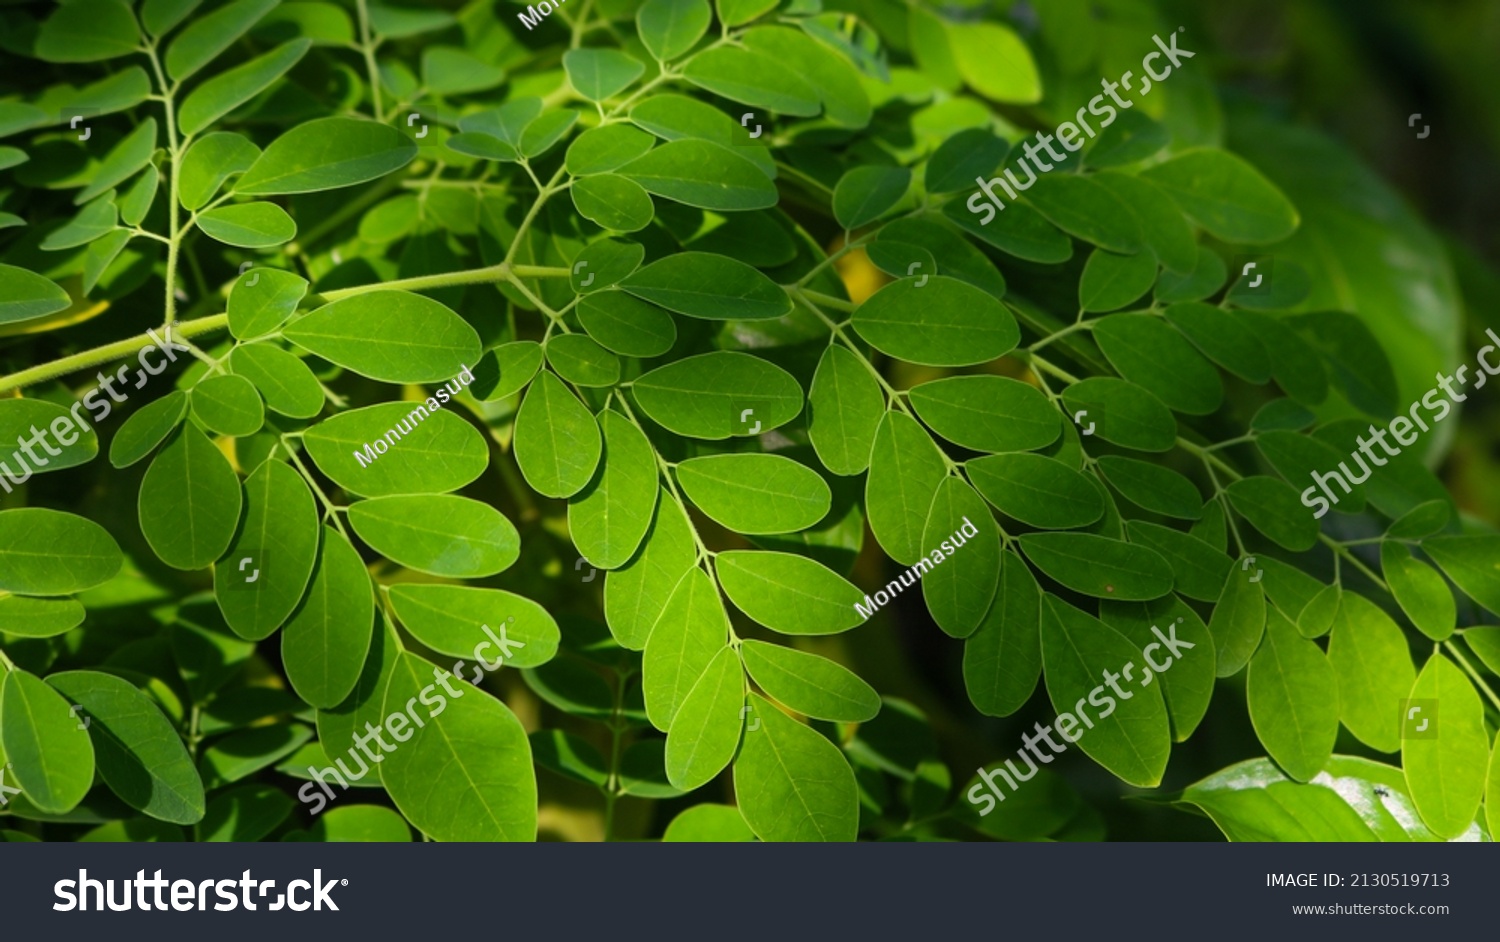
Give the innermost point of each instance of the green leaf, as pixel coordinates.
(1485, 640)
(451, 620)
(26, 295)
(209, 161)
(251, 225)
(1019, 230)
(438, 534)
(337, 727)
(1421, 521)
(356, 824)
(670, 28)
(1198, 569)
(125, 160)
(326, 24)
(1354, 800)
(50, 755)
(1372, 662)
(279, 538)
(262, 300)
(812, 685)
(838, 84)
(39, 618)
(1036, 490)
(1294, 700)
(228, 404)
(136, 202)
(959, 593)
(1205, 278)
(1317, 616)
(1272, 507)
(614, 202)
(490, 793)
(1098, 566)
(285, 382)
(1130, 736)
(957, 161)
(1113, 281)
(712, 287)
(324, 645)
(582, 361)
(787, 593)
(606, 148)
(706, 729)
(1124, 413)
(327, 153)
(1470, 562)
(432, 452)
(755, 494)
(146, 429)
(753, 79)
(1165, 231)
(702, 174)
(736, 12)
(609, 519)
(1445, 771)
(719, 395)
(94, 221)
(707, 823)
(845, 407)
(545, 131)
(450, 71)
(675, 117)
(396, 22)
(691, 629)
(946, 322)
(1225, 337)
(906, 470)
(139, 754)
(1130, 139)
(207, 36)
(484, 146)
(1152, 487)
(1148, 352)
(190, 501)
(626, 325)
(392, 336)
(1299, 457)
(1225, 195)
(864, 194)
(1085, 209)
(995, 62)
(1003, 657)
(22, 419)
(791, 783)
(1187, 684)
(597, 74)
(1238, 621)
(557, 439)
(227, 91)
(87, 31)
(636, 594)
(247, 813)
(1422, 594)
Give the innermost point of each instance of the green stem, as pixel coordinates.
(1473, 674)
(367, 49)
(612, 783)
(500, 272)
(112, 351)
(174, 230)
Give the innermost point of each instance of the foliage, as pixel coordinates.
(711, 303)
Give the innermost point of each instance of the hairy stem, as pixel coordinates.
(106, 353)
